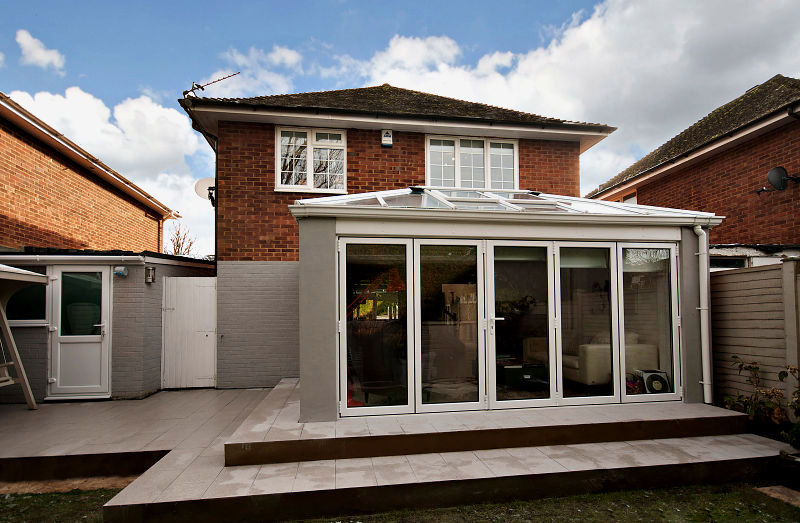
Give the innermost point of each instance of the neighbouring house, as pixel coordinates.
(95, 331)
(719, 164)
(447, 263)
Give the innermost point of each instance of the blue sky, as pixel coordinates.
(107, 74)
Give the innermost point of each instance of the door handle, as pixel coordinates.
(492, 321)
(102, 328)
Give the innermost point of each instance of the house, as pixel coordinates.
(95, 330)
(719, 164)
(273, 150)
(406, 252)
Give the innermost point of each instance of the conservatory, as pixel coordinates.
(431, 299)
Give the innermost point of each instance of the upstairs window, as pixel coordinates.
(311, 160)
(472, 163)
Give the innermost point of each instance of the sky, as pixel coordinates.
(108, 74)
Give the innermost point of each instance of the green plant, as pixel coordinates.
(763, 404)
(792, 436)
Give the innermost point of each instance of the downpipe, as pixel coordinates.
(705, 339)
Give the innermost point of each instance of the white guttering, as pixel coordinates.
(70, 259)
(705, 341)
(717, 146)
(20, 117)
(209, 116)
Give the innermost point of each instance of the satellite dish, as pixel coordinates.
(778, 178)
(201, 188)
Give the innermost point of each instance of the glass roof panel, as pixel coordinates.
(479, 206)
(422, 201)
(462, 194)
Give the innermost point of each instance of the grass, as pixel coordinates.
(729, 502)
(76, 505)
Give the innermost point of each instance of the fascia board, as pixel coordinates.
(65, 259)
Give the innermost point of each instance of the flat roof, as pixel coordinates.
(494, 204)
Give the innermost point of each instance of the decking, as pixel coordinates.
(298, 470)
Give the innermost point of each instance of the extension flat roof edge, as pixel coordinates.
(778, 94)
(50, 251)
(389, 101)
(13, 273)
(20, 117)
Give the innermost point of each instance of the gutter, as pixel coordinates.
(71, 259)
(705, 341)
(26, 121)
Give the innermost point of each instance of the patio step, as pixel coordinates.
(206, 490)
(273, 434)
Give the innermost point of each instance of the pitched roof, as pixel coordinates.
(777, 93)
(386, 100)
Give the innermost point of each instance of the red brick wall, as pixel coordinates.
(47, 201)
(253, 222)
(724, 185)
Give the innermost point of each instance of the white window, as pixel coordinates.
(474, 163)
(311, 160)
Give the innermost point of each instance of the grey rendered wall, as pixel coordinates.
(32, 345)
(318, 322)
(136, 324)
(257, 323)
(688, 267)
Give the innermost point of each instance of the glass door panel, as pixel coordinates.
(377, 318)
(450, 305)
(586, 313)
(519, 324)
(647, 322)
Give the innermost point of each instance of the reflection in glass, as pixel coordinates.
(81, 300)
(647, 302)
(522, 336)
(586, 321)
(449, 311)
(377, 325)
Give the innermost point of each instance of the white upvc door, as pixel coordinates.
(80, 332)
(521, 334)
(450, 325)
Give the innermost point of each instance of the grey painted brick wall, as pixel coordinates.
(32, 345)
(257, 323)
(136, 337)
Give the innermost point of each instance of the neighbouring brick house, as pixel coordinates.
(55, 194)
(96, 235)
(264, 149)
(718, 164)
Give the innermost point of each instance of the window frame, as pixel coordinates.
(311, 144)
(47, 302)
(487, 141)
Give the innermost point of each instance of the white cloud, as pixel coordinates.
(142, 140)
(35, 53)
(258, 72)
(2, 59)
(649, 68)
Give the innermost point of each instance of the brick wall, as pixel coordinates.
(724, 184)
(254, 224)
(47, 201)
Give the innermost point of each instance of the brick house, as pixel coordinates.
(95, 330)
(718, 164)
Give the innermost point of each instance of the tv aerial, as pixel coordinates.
(198, 87)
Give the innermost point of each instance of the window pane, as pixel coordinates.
(647, 302)
(586, 342)
(522, 336)
(501, 160)
(377, 325)
(293, 158)
(442, 163)
(471, 157)
(81, 299)
(327, 163)
(329, 138)
(449, 312)
(29, 302)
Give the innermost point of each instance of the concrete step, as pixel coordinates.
(206, 490)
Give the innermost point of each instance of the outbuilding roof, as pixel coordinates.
(776, 94)
(494, 204)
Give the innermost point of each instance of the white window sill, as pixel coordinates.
(298, 188)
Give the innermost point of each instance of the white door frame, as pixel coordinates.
(480, 261)
(615, 378)
(675, 324)
(103, 390)
(410, 352)
(491, 338)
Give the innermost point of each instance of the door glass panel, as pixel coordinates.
(522, 340)
(647, 302)
(377, 325)
(449, 311)
(81, 299)
(586, 343)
